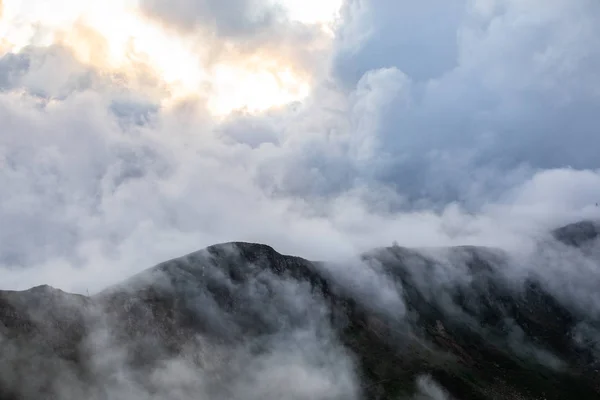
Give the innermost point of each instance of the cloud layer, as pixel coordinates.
(435, 124)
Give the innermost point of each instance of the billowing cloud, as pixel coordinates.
(233, 31)
(475, 128)
(240, 18)
(515, 89)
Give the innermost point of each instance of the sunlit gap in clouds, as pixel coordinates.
(114, 36)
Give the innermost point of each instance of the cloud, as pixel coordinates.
(517, 95)
(101, 178)
(235, 31)
(54, 72)
(428, 389)
(242, 18)
(421, 39)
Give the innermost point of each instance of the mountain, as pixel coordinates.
(241, 321)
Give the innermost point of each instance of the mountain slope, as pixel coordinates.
(240, 320)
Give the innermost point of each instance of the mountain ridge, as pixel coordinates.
(474, 332)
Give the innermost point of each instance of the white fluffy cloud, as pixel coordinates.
(470, 122)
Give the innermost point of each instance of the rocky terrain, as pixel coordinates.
(241, 321)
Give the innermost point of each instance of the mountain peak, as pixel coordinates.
(578, 233)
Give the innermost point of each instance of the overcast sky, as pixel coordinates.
(428, 123)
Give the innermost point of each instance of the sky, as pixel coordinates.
(136, 131)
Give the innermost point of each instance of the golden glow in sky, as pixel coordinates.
(112, 35)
